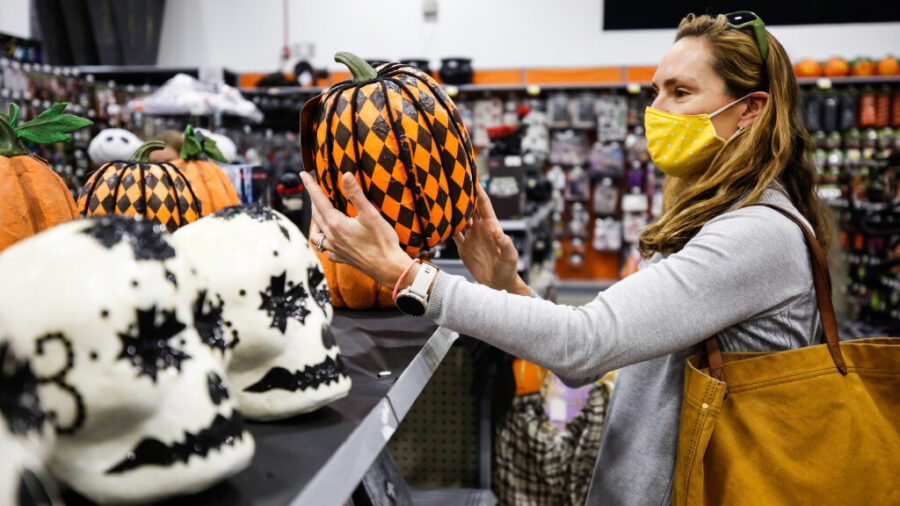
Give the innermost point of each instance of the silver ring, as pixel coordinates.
(319, 247)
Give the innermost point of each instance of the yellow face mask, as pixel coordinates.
(680, 144)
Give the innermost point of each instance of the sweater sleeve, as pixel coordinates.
(741, 265)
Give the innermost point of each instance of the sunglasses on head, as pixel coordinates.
(746, 19)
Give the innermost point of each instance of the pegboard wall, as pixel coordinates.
(437, 444)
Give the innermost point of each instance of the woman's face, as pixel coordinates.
(685, 83)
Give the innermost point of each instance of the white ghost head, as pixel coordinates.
(113, 144)
(25, 437)
(256, 273)
(137, 399)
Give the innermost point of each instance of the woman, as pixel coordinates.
(712, 265)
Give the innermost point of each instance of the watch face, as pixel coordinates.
(410, 305)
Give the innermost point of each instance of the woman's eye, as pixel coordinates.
(680, 93)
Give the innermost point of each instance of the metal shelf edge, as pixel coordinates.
(336, 480)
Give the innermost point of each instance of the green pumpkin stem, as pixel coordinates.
(142, 154)
(362, 71)
(9, 144)
(48, 127)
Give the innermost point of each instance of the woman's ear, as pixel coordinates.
(755, 104)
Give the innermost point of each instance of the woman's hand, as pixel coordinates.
(487, 252)
(366, 242)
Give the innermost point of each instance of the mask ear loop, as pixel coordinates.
(735, 134)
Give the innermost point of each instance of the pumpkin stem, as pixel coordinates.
(362, 71)
(9, 143)
(142, 154)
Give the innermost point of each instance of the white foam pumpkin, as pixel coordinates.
(25, 435)
(256, 274)
(138, 401)
(113, 144)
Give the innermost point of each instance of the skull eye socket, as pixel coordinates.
(208, 321)
(317, 285)
(147, 346)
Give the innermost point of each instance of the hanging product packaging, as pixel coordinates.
(606, 197)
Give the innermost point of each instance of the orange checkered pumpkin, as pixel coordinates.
(404, 139)
(210, 183)
(156, 191)
(32, 197)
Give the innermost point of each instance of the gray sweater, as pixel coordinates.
(745, 275)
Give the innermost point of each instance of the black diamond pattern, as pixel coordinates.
(154, 203)
(342, 135)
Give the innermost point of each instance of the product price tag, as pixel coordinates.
(633, 88)
(452, 91)
(533, 90)
(823, 83)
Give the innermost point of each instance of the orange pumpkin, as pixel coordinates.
(808, 68)
(34, 197)
(862, 67)
(836, 67)
(399, 133)
(353, 289)
(209, 182)
(888, 67)
(139, 187)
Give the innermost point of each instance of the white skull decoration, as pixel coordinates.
(25, 438)
(257, 276)
(113, 144)
(138, 401)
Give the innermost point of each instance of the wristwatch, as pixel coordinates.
(413, 300)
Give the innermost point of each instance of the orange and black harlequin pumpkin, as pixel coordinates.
(404, 139)
(209, 182)
(32, 197)
(156, 191)
(353, 289)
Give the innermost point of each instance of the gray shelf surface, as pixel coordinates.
(320, 457)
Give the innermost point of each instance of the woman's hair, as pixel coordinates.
(773, 148)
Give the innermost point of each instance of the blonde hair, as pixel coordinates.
(772, 149)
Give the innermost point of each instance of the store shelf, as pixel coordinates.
(528, 222)
(145, 74)
(319, 458)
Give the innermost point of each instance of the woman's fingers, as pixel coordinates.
(508, 251)
(357, 197)
(484, 207)
(321, 205)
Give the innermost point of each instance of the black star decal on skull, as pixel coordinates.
(145, 237)
(19, 404)
(209, 323)
(149, 350)
(319, 288)
(280, 305)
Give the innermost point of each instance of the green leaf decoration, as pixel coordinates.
(198, 146)
(212, 150)
(51, 125)
(190, 148)
(13, 114)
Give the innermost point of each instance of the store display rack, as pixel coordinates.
(319, 458)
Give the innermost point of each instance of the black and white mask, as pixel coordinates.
(138, 401)
(25, 435)
(263, 299)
